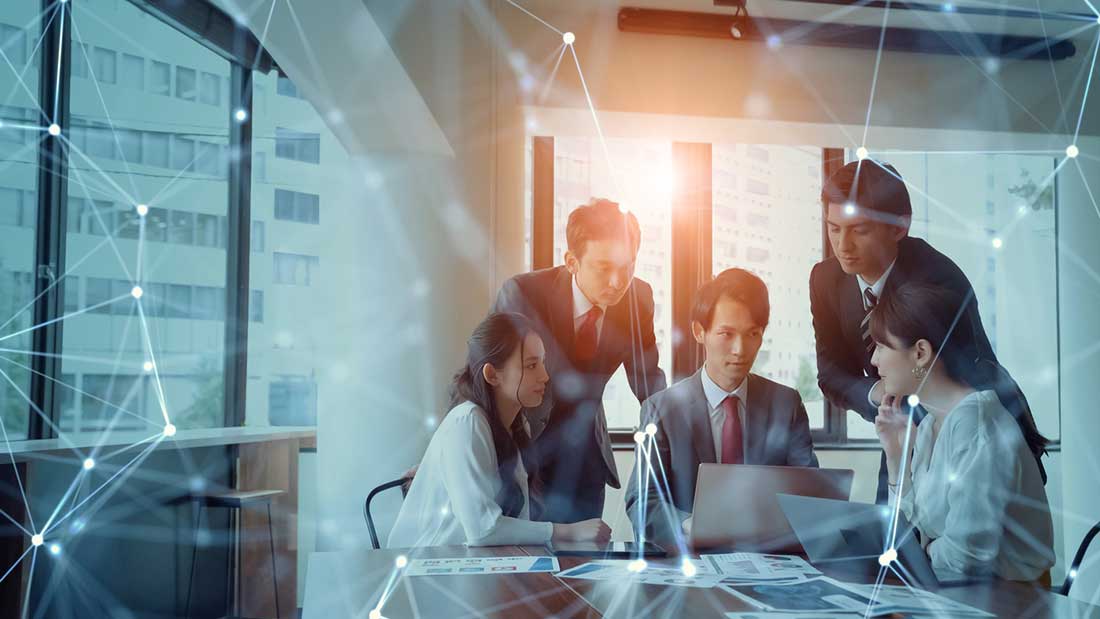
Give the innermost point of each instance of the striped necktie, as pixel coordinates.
(869, 302)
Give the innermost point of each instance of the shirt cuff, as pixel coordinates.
(872, 390)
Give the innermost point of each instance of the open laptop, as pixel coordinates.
(851, 537)
(736, 507)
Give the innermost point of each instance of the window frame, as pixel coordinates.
(691, 229)
(53, 201)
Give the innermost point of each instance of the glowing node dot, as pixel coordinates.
(147, 366)
(36, 540)
(888, 557)
(639, 437)
(637, 565)
(1022, 210)
(913, 400)
(952, 477)
(1098, 19)
(568, 38)
(651, 429)
(55, 549)
(997, 243)
(862, 153)
(1072, 151)
(136, 292)
(55, 129)
(240, 115)
(142, 209)
(948, 8)
(401, 561)
(688, 568)
(89, 464)
(849, 209)
(773, 41)
(1073, 573)
(623, 209)
(375, 614)
(170, 430)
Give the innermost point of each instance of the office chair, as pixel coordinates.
(1071, 574)
(403, 483)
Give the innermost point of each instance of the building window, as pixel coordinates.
(14, 43)
(133, 72)
(155, 149)
(297, 206)
(186, 84)
(211, 92)
(292, 401)
(256, 306)
(258, 237)
(295, 269)
(105, 62)
(297, 145)
(160, 78)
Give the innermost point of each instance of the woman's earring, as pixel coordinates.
(920, 372)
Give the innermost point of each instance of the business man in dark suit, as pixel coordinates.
(867, 212)
(723, 413)
(594, 316)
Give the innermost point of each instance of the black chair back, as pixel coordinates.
(402, 483)
(1071, 573)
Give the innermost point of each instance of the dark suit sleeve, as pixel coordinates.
(842, 386)
(800, 443)
(657, 525)
(511, 298)
(645, 377)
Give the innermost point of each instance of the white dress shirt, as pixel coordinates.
(452, 499)
(977, 494)
(715, 396)
(581, 305)
(877, 287)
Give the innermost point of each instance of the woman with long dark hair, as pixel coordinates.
(471, 485)
(968, 477)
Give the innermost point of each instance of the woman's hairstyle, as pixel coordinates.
(913, 312)
(493, 342)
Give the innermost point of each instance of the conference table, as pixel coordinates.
(350, 584)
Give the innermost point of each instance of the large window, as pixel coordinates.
(766, 220)
(640, 181)
(147, 207)
(20, 113)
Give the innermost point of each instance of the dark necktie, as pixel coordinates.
(587, 336)
(870, 300)
(732, 450)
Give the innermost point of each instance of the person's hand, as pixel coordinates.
(408, 477)
(593, 530)
(891, 425)
(878, 392)
(686, 526)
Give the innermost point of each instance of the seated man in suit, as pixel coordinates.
(723, 413)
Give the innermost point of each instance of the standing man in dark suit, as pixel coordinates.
(593, 316)
(723, 413)
(867, 214)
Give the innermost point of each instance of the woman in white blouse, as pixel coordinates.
(471, 485)
(971, 484)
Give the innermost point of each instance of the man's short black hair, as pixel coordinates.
(870, 186)
(736, 284)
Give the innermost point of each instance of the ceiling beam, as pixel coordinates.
(821, 34)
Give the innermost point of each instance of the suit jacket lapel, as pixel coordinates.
(757, 420)
(698, 412)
